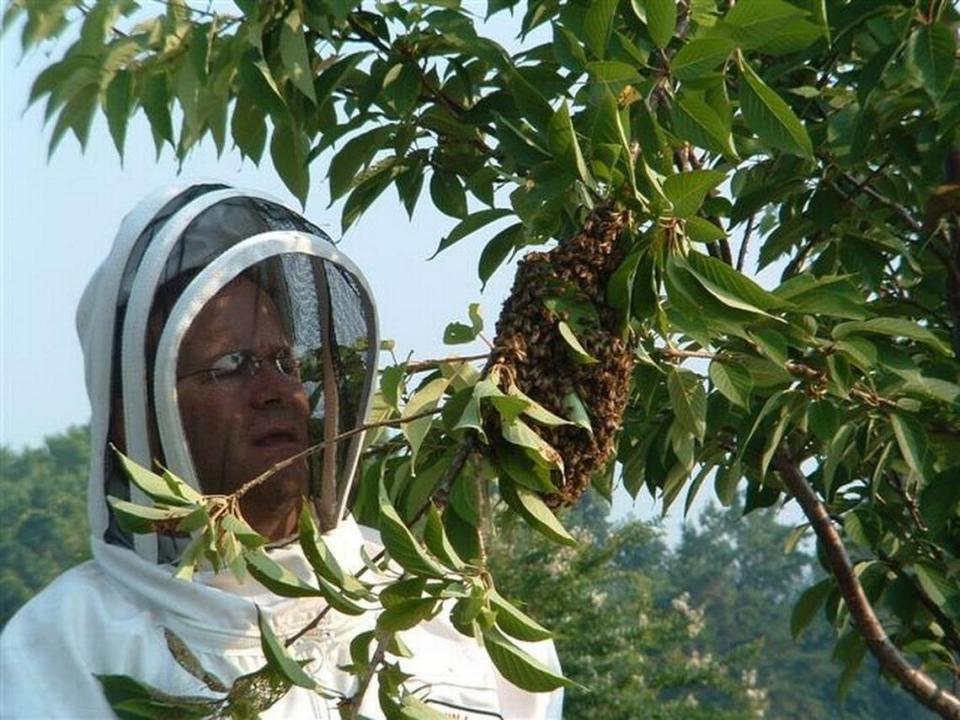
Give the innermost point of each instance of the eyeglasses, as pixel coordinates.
(240, 365)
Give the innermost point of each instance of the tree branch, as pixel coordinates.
(915, 681)
(742, 255)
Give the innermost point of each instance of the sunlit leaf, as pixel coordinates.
(518, 666)
(278, 658)
(769, 116)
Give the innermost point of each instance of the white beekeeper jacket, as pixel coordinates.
(109, 615)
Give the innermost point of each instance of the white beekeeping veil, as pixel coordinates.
(239, 336)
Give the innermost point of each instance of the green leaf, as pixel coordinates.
(687, 190)
(189, 662)
(475, 314)
(457, 333)
(409, 588)
(689, 401)
(118, 102)
(375, 181)
(470, 224)
(334, 76)
(935, 584)
(861, 352)
(696, 121)
(700, 56)
(517, 432)
(277, 658)
(497, 250)
(530, 102)
(612, 73)
(514, 622)
(772, 443)
(661, 20)
(360, 647)
(289, 150)
(534, 511)
(133, 700)
(733, 381)
(730, 286)
(447, 194)
(913, 443)
(141, 519)
(823, 417)
(808, 605)
(518, 666)
(576, 412)
(354, 155)
(726, 483)
(836, 453)
(894, 327)
(167, 488)
(294, 55)
(426, 398)
(247, 536)
(249, 127)
(703, 231)
(255, 76)
(769, 116)
(831, 295)
(321, 559)
(753, 22)
(275, 577)
(412, 707)
(935, 388)
(597, 25)
(401, 86)
(391, 381)
(403, 547)
(791, 37)
(577, 351)
(522, 469)
(437, 541)
(406, 614)
(535, 411)
(563, 143)
(931, 54)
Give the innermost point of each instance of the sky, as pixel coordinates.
(58, 217)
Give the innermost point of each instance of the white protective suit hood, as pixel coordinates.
(173, 253)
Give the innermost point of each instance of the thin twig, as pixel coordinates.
(424, 365)
(901, 210)
(677, 353)
(267, 474)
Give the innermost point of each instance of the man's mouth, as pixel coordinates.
(275, 438)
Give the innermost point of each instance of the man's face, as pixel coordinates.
(241, 425)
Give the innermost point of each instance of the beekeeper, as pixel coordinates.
(223, 334)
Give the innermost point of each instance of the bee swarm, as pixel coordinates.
(531, 352)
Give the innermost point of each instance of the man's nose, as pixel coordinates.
(269, 385)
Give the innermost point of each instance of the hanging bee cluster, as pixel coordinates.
(551, 288)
